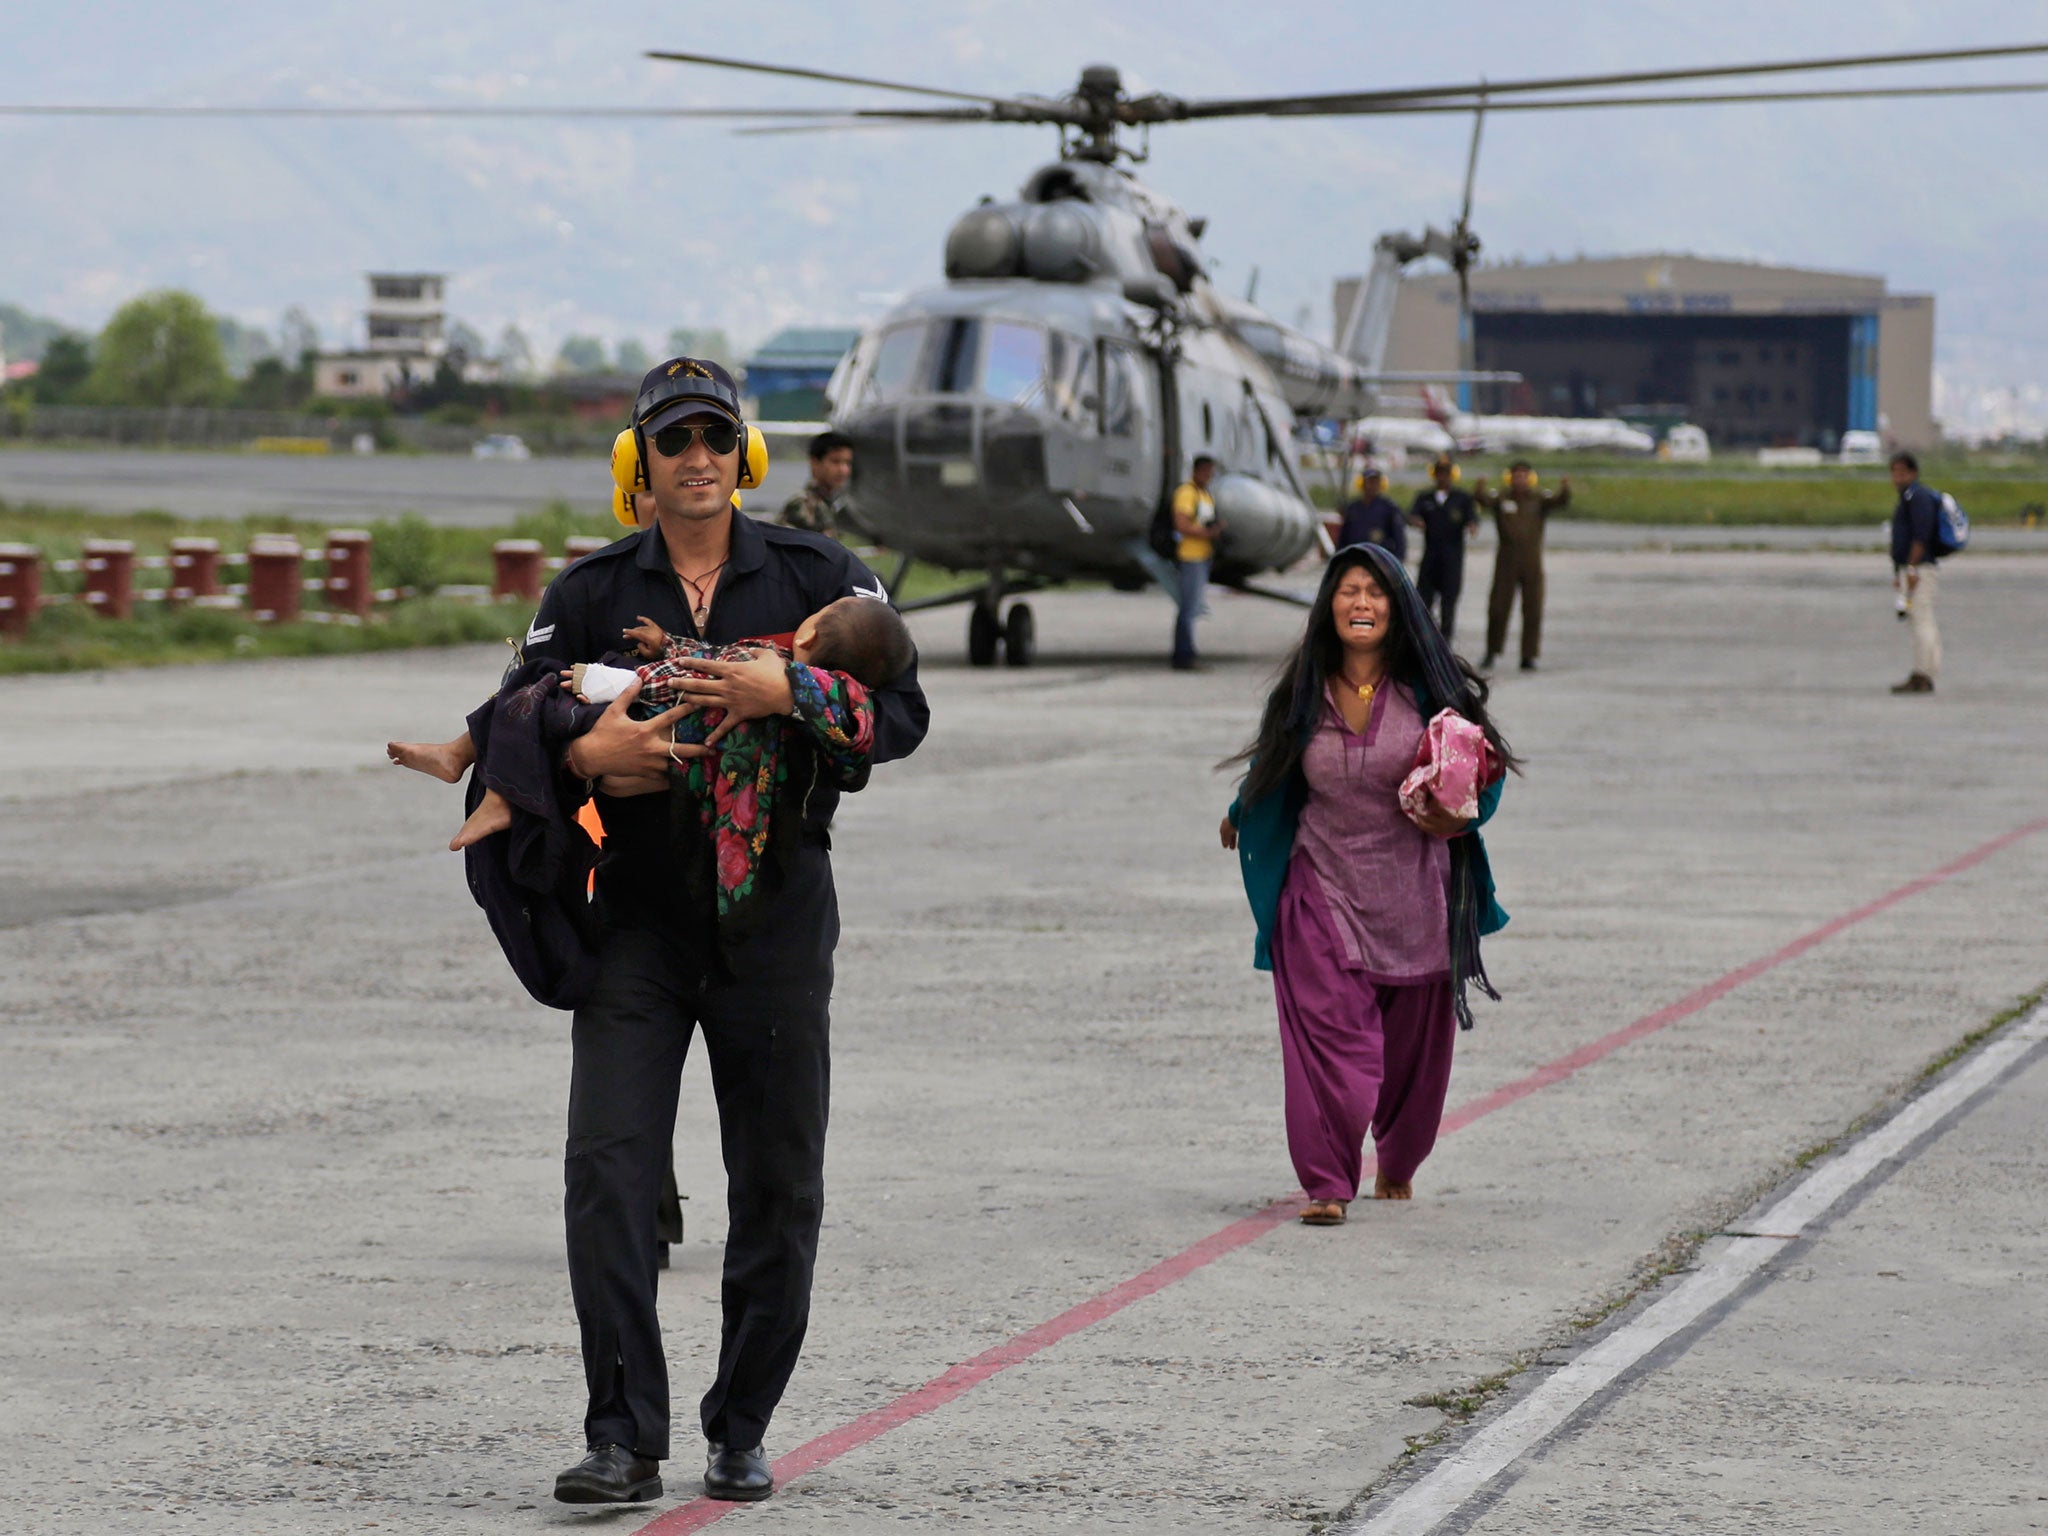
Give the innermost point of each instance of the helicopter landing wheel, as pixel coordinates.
(1020, 636)
(983, 635)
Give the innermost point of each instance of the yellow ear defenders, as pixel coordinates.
(629, 476)
(629, 469)
(1452, 465)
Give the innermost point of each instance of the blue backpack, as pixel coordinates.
(1952, 528)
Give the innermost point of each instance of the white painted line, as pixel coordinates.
(1427, 1503)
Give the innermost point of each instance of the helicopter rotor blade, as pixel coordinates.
(1472, 165)
(870, 120)
(797, 72)
(1719, 98)
(1348, 103)
(96, 109)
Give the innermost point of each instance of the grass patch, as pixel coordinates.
(406, 552)
(73, 639)
(1813, 499)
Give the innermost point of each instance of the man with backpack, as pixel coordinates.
(1925, 526)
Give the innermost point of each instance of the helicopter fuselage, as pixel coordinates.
(1034, 412)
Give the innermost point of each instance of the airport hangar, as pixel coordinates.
(1758, 355)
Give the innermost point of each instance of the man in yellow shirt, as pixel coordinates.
(1196, 528)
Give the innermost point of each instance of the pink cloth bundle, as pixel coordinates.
(1452, 765)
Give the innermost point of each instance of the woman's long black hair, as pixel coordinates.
(1416, 654)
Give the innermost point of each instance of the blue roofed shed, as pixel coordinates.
(788, 375)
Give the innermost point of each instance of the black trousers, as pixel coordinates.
(1438, 582)
(771, 1074)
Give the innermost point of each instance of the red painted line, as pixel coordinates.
(943, 1388)
(1557, 1071)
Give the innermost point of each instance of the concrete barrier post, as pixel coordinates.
(21, 587)
(109, 568)
(515, 568)
(195, 569)
(581, 544)
(274, 583)
(348, 571)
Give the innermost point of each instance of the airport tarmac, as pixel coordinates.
(283, 1194)
(469, 492)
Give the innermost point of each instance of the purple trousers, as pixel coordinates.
(1359, 1056)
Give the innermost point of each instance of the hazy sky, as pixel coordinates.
(630, 229)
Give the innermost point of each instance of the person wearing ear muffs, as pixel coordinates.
(1446, 516)
(703, 570)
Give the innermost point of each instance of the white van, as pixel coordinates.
(1687, 444)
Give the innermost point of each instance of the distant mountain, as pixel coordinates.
(23, 335)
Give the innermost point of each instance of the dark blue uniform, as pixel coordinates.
(1447, 518)
(762, 1003)
(1916, 519)
(1374, 522)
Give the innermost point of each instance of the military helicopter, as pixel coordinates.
(1028, 419)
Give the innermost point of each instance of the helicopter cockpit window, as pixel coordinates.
(895, 371)
(1013, 363)
(958, 341)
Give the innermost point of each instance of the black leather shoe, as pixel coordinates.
(1528, 663)
(741, 1476)
(610, 1474)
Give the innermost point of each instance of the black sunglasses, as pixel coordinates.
(720, 437)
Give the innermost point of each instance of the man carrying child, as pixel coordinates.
(760, 996)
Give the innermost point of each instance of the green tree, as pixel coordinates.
(160, 349)
(273, 386)
(67, 364)
(581, 354)
(242, 346)
(633, 358)
(711, 345)
(298, 339)
(515, 354)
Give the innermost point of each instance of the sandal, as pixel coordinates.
(1323, 1213)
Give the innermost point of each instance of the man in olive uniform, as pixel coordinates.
(821, 506)
(1519, 513)
(1446, 517)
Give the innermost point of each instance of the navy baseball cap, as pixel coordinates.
(684, 386)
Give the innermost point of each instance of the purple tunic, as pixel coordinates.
(1382, 878)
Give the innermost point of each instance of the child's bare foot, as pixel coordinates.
(1384, 1188)
(493, 814)
(447, 761)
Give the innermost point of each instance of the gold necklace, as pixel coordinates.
(1365, 690)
